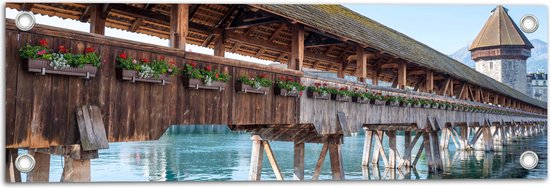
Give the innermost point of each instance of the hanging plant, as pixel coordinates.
(259, 84)
(318, 91)
(44, 60)
(286, 86)
(204, 77)
(144, 70)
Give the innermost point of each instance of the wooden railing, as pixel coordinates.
(40, 110)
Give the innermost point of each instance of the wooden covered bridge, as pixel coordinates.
(48, 113)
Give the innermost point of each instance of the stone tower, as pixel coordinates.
(500, 50)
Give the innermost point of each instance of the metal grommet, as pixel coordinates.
(529, 23)
(529, 160)
(25, 163)
(25, 21)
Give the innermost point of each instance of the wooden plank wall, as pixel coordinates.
(323, 113)
(40, 110)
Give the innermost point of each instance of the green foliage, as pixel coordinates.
(73, 60)
(193, 72)
(289, 85)
(344, 91)
(259, 80)
(33, 52)
(156, 67)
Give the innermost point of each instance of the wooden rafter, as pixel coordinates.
(277, 32)
(251, 19)
(27, 6)
(314, 40)
(86, 14)
(139, 20)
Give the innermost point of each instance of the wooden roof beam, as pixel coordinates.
(27, 6)
(277, 32)
(86, 14)
(241, 21)
(140, 13)
(139, 20)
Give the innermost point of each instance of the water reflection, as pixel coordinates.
(213, 153)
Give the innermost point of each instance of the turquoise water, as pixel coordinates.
(213, 153)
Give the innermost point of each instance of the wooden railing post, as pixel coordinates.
(429, 81)
(402, 75)
(97, 22)
(362, 59)
(179, 22)
(297, 47)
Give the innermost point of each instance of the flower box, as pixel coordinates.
(133, 76)
(427, 106)
(317, 95)
(378, 102)
(442, 107)
(456, 108)
(417, 105)
(340, 98)
(43, 67)
(286, 93)
(449, 107)
(361, 100)
(199, 84)
(435, 106)
(405, 104)
(243, 88)
(393, 103)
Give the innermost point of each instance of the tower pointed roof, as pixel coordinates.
(500, 30)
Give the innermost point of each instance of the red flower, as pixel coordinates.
(41, 52)
(90, 50)
(289, 79)
(263, 75)
(122, 56)
(43, 42)
(172, 63)
(62, 49)
(282, 78)
(193, 64)
(300, 93)
(161, 58)
(317, 84)
(208, 68)
(325, 84)
(145, 60)
(217, 75)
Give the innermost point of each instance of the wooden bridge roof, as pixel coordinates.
(271, 40)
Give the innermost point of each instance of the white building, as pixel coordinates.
(537, 86)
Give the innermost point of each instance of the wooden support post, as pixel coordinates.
(219, 45)
(463, 137)
(362, 59)
(367, 147)
(375, 77)
(408, 149)
(428, 152)
(76, 170)
(393, 149)
(299, 149)
(256, 158)
(319, 165)
(296, 61)
(340, 73)
(488, 139)
(401, 74)
(179, 22)
(41, 171)
(97, 21)
(429, 81)
(272, 160)
(12, 174)
(379, 149)
(435, 149)
(336, 162)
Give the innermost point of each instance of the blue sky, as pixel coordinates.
(447, 28)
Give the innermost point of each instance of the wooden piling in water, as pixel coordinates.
(299, 151)
(336, 165)
(256, 159)
(41, 171)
